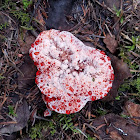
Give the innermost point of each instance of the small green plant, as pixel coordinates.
(119, 13)
(8, 4)
(125, 87)
(19, 12)
(135, 41)
(132, 86)
(22, 16)
(36, 131)
(26, 3)
(91, 138)
(117, 98)
(124, 116)
(4, 26)
(2, 77)
(11, 111)
(136, 83)
(101, 111)
(52, 128)
(66, 123)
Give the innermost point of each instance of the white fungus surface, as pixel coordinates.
(70, 73)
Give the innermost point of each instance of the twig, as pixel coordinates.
(7, 123)
(103, 5)
(118, 20)
(108, 30)
(135, 54)
(36, 6)
(128, 38)
(8, 17)
(134, 70)
(5, 98)
(11, 62)
(96, 36)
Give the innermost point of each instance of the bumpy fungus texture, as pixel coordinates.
(69, 73)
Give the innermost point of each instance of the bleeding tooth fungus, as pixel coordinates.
(66, 69)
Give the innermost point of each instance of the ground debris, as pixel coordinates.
(28, 69)
(133, 110)
(25, 44)
(57, 12)
(111, 43)
(116, 128)
(121, 72)
(22, 116)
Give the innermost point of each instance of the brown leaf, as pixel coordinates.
(23, 114)
(39, 17)
(133, 110)
(118, 128)
(121, 72)
(25, 45)
(29, 70)
(111, 43)
(115, 135)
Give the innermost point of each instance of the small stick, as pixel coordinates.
(36, 6)
(108, 30)
(103, 5)
(134, 70)
(7, 123)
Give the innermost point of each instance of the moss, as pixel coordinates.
(36, 131)
(131, 85)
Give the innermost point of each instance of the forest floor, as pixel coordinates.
(109, 25)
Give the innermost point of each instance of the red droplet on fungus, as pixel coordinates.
(58, 98)
(37, 42)
(90, 93)
(35, 63)
(32, 45)
(67, 111)
(31, 55)
(93, 98)
(102, 52)
(38, 73)
(36, 80)
(36, 53)
(78, 100)
(112, 77)
(53, 106)
(101, 93)
(42, 64)
(108, 58)
(109, 89)
(71, 89)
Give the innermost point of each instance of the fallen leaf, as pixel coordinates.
(29, 70)
(117, 127)
(39, 17)
(133, 110)
(111, 43)
(23, 114)
(121, 72)
(25, 45)
(115, 135)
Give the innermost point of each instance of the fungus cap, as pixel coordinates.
(69, 73)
